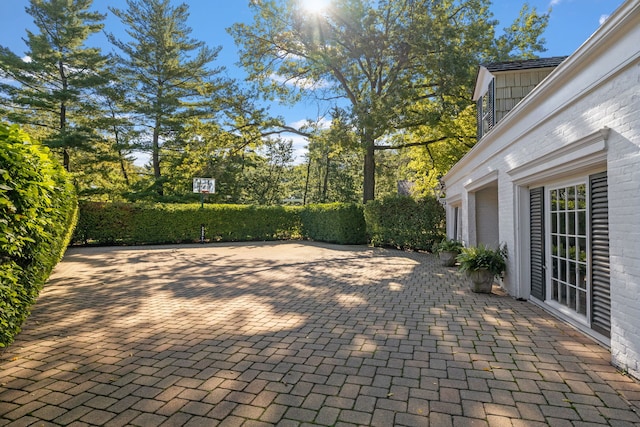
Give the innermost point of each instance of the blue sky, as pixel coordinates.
(570, 25)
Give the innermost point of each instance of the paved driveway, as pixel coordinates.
(296, 333)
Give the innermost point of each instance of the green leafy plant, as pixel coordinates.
(38, 211)
(404, 222)
(483, 257)
(152, 223)
(149, 223)
(448, 245)
(341, 223)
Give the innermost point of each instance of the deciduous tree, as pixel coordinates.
(380, 60)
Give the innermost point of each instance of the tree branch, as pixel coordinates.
(419, 143)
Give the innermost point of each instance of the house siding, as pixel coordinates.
(596, 88)
(512, 86)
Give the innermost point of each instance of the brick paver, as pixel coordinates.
(296, 333)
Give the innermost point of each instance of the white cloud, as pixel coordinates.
(300, 82)
(299, 145)
(555, 2)
(603, 18)
(322, 122)
(26, 58)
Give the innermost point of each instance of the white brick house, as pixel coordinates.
(557, 179)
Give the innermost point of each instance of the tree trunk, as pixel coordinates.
(369, 186)
(123, 168)
(306, 184)
(66, 162)
(66, 159)
(325, 184)
(155, 157)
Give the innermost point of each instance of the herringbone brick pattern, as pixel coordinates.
(296, 334)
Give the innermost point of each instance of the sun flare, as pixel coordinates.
(314, 6)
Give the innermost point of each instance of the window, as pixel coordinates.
(486, 110)
(567, 233)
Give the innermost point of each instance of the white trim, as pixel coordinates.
(484, 181)
(522, 233)
(598, 337)
(483, 80)
(563, 87)
(584, 153)
(567, 311)
(455, 199)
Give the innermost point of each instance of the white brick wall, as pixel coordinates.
(597, 87)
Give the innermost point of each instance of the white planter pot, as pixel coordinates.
(448, 259)
(481, 281)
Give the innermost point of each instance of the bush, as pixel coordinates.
(341, 223)
(125, 224)
(447, 245)
(482, 257)
(405, 223)
(38, 210)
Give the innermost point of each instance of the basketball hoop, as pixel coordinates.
(204, 186)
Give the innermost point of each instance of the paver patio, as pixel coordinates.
(296, 333)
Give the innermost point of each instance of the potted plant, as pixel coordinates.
(482, 265)
(448, 250)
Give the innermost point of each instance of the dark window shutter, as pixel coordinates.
(491, 106)
(536, 204)
(600, 275)
(479, 115)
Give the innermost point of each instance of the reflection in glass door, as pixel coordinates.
(568, 237)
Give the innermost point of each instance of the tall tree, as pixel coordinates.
(333, 164)
(51, 87)
(167, 72)
(381, 58)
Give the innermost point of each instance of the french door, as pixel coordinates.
(569, 230)
(568, 284)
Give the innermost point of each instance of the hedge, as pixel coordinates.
(130, 224)
(127, 224)
(341, 223)
(405, 223)
(38, 210)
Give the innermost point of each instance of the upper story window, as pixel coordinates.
(484, 95)
(500, 86)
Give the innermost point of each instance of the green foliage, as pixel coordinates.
(341, 223)
(404, 222)
(483, 257)
(448, 245)
(144, 223)
(166, 71)
(55, 89)
(38, 210)
(387, 60)
(121, 223)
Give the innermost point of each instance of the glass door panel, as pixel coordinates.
(568, 237)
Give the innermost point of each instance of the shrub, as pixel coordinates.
(38, 210)
(404, 222)
(341, 223)
(122, 223)
(483, 257)
(448, 245)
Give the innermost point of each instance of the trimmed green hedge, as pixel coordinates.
(341, 223)
(38, 210)
(405, 223)
(127, 224)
